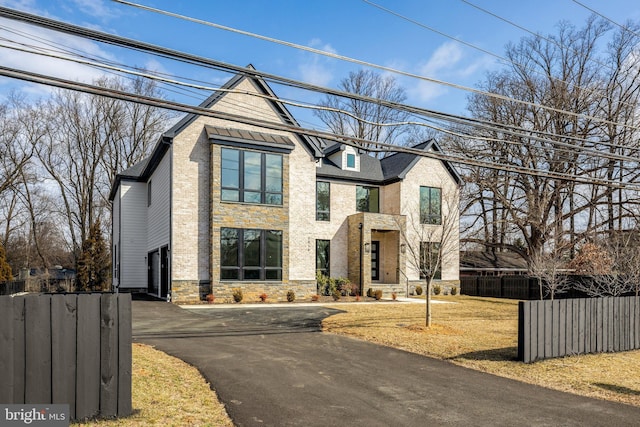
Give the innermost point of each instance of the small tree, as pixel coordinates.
(93, 264)
(430, 240)
(5, 268)
(550, 268)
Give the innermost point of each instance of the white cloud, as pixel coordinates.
(47, 40)
(315, 68)
(96, 8)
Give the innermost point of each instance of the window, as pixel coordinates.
(322, 257)
(250, 254)
(430, 205)
(430, 260)
(323, 201)
(367, 199)
(251, 177)
(351, 160)
(149, 193)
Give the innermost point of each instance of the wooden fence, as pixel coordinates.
(556, 328)
(515, 287)
(67, 348)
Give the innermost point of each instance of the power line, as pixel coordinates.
(373, 65)
(623, 27)
(343, 139)
(152, 76)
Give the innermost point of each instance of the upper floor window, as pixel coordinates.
(247, 254)
(430, 205)
(351, 160)
(323, 198)
(367, 199)
(251, 177)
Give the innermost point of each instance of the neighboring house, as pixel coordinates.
(221, 205)
(488, 263)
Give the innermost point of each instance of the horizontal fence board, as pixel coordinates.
(556, 328)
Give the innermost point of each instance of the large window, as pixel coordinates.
(368, 199)
(430, 260)
(251, 177)
(430, 205)
(323, 201)
(322, 257)
(247, 254)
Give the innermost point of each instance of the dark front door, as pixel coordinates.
(375, 260)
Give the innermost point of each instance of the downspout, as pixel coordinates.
(169, 141)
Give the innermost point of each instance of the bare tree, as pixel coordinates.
(566, 72)
(550, 269)
(431, 238)
(367, 120)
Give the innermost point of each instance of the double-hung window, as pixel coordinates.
(249, 254)
(367, 199)
(323, 201)
(430, 205)
(251, 177)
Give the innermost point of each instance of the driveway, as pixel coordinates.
(273, 367)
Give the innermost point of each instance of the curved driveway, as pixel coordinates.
(273, 367)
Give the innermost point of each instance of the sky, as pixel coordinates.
(420, 37)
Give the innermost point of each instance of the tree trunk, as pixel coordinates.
(428, 303)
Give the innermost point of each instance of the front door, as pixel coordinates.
(375, 260)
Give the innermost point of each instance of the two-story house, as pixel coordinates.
(221, 204)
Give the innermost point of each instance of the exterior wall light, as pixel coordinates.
(403, 248)
(367, 247)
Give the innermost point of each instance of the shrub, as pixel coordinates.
(378, 294)
(394, 296)
(370, 293)
(345, 286)
(336, 294)
(418, 290)
(263, 297)
(454, 290)
(315, 297)
(211, 298)
(437, 289)
(291, 296)
(237, 295)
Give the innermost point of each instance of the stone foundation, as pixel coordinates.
(195, 292)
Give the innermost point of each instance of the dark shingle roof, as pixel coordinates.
(487, 260)
(370, 170)
(397, 165)
(136, 170)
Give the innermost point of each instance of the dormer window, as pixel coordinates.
(351, 161)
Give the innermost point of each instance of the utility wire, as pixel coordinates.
(153, 76)
(359, 143)
(373, 65)
(624, 27)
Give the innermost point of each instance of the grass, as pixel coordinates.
(168, 392)
(482, 334)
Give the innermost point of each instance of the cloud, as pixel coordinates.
(315, 68)
(451, 63)
(39, 38)
(97, 9)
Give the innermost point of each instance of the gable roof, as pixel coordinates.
(397, 165)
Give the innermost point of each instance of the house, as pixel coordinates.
(221, 204)
(492, 263)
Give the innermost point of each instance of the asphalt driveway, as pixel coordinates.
(273, 367)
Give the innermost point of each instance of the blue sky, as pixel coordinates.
(351, 28)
